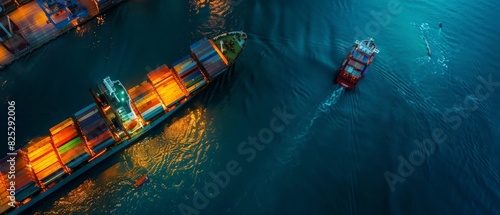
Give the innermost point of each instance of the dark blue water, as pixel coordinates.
(341, 152)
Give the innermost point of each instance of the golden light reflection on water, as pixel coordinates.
(178, 143)
(216, 21)
(179, 148)
(75, 200)
(82, 30)
(86, 29)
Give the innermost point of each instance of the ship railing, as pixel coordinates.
(228, 33)
(367, 48)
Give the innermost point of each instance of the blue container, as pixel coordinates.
(90, 131)
(200, 52)
(79, 118)
(197, 86)
(213, 66)
(192, 76)
(197, 44)
(208, 56)
(188, 67)
(92, 126)
(81, 112)
(193, 81)
(89, 121)
(189, 73)
(140, 96)
(212, 59)
(181, 60)
(201, 47)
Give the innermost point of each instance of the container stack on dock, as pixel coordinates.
(69, 144)
(208, 55)
(25, 186)
(190, 74)
(44, 160)
(168, 85)
(146, 100)
(94, 128)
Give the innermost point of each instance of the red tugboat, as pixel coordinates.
(356, 65)
(141, 181)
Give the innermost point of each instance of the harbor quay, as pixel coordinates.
(26, 25)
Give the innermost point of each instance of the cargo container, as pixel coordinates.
(94, 128)
(4, 196)
(170, 92)
(146, 101)
(159, 74)
(57, 128)
(213, 65)
(73, 153)
(212, 60)
(185, 66)
(43, 158)
(201, 47)
(102, 141)
(70, 145)
(25, 184)
(196, 79)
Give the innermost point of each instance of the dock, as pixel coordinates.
(25, 26)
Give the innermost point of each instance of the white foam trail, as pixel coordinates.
(324, 107)
(428, 48)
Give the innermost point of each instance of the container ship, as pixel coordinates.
(356, 64)
(117, 118)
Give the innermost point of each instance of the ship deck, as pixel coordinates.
(232, 45)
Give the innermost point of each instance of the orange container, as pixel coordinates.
(61, 126)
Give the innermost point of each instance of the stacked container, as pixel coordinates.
(4, 196)
(191, 76)
(94, 128)
(25, 184)
(356, 65)
(360, 56)
(207, 54)
(44, 160)
(168, 85)
(69, 144)
(146, 101)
